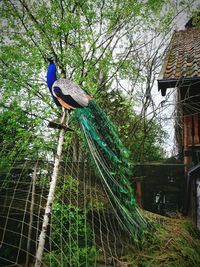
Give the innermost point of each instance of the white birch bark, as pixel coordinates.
(50, 198)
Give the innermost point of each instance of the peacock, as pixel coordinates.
(64, 92)
(106, 151)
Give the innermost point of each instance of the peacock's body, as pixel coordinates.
(64, 92)
(106, 150)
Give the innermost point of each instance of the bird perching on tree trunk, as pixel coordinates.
(106, 151)
(69, 96)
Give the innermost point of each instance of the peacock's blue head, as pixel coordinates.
(51, 74)
(51, 78)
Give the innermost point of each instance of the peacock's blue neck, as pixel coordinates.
(51, 75)
(51, 78)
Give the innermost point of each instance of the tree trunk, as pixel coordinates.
(50, 198)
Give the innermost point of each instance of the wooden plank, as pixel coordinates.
(59, 126)
(196, 130)
(189, 130)
(187, 140)
(185, 132)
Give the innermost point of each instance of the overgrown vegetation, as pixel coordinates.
(71, 235)
(69, 227)
(176, 242)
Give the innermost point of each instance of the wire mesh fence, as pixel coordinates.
(83, 228)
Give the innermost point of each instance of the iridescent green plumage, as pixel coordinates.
(113, 168)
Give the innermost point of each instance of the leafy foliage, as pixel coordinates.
(143, 137)
(69, 227)
(97, 48)
(70, 231)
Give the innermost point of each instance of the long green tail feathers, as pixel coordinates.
(111, 161)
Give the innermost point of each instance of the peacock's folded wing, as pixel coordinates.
(70, 93)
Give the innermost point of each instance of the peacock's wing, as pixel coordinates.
(71, 93)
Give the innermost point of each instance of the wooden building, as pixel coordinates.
(181, 70)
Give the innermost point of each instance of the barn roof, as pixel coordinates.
(182, 63)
